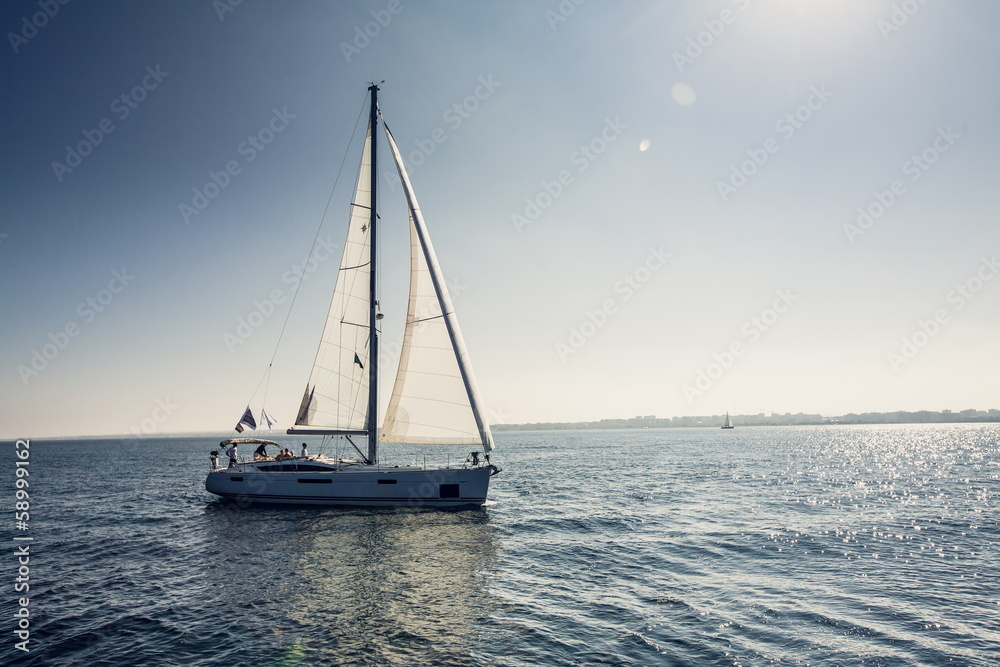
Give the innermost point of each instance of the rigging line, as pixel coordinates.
(355, 446)
(322, 218)
(263, 403)
(254, 395)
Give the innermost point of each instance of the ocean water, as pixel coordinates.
(840, 545)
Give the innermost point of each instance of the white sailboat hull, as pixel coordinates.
(358, 485)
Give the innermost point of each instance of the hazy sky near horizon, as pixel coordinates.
(665, 208)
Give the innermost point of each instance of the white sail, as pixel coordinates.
(336, 396)
(435, 399)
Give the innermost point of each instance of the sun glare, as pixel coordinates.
(827, 22)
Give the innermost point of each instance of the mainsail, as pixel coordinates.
(435, 399)
(336, 396)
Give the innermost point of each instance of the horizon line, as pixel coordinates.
(989, 414)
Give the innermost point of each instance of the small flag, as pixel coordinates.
(358, 361)
(267, 418)
(246, 420)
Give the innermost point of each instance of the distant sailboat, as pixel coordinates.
(435, 399)
(729, 422)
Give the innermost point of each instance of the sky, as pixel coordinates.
(643, 208)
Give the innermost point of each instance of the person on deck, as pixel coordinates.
(232, 455)
(260, 453)
(305, 450)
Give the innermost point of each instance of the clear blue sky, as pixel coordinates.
(622, 196)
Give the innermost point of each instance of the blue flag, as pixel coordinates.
(246, 420)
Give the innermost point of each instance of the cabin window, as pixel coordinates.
(235, 479)
(315, 481)
(387, 481)
(293, 467)
(449, 491)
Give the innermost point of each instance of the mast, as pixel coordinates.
(372, 321)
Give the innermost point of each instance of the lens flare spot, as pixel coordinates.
(683, 94)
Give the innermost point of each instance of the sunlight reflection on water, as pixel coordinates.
(814, 545)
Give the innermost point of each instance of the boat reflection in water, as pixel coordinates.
(358, 585)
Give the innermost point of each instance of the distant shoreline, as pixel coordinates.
(800, 419)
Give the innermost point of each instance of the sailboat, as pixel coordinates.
(728, 423)
(435, 399)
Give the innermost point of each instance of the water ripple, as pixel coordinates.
(812, 546)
